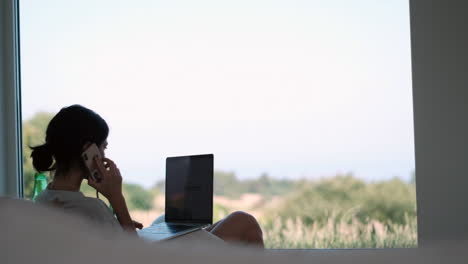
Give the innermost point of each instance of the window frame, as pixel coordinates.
(439, 138)
(10, 100)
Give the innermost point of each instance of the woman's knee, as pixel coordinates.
(240, 216)
(248, 220)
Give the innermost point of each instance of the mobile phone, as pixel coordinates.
(88, 156)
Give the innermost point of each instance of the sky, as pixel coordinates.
(294, 89)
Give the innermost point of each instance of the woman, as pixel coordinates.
(68, 134)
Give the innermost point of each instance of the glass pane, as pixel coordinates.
(306, 105)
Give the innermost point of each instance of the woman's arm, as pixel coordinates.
(121, 211)
(110, 186)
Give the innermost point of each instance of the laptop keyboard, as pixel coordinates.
(165, 228)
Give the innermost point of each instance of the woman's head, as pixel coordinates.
(67, 134)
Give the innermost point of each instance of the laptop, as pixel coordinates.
(189, 198)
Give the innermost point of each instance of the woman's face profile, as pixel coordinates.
(102, 148)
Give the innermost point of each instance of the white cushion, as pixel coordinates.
(30, 233)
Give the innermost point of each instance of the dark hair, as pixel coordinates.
(66, 134)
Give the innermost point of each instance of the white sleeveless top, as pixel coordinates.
(76, 203)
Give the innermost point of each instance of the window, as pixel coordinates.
(306, 106)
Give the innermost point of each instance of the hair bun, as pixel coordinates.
(42, 158)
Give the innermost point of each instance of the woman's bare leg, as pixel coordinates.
(238, 227)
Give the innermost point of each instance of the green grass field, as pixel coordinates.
(336, 233)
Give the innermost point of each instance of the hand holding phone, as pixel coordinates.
(89, 155)
(110, 184)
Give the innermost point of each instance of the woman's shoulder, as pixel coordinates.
(72, 201)
(95, 209)
(64, 197)
(79, 204)
(93, 201)
(91, 204)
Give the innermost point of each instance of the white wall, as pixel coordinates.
(440, 86)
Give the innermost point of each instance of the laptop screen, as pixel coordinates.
(189, 189)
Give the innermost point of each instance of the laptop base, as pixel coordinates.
(165, 231)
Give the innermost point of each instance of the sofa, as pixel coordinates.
(32, 233)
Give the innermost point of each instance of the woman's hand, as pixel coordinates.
(110, 184)
(137, 224)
